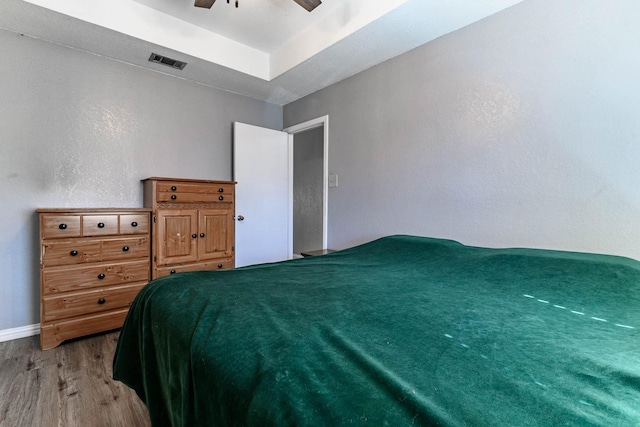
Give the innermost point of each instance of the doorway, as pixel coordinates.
(308, 186)
(263, 163)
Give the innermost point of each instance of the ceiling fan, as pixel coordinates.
(309, 5)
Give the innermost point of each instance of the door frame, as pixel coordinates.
(292, 130)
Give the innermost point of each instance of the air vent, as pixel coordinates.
(173, 63)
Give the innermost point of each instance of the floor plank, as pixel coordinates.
(70, 385)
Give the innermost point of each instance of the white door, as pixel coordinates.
(263, 198)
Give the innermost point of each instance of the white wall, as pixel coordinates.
(519, 130)
(79, 130)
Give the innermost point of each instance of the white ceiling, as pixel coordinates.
(271, 50)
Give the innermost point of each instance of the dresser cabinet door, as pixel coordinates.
(178, 235)
(215, 238)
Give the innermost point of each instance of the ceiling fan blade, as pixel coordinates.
(204, 3)
(308, 4)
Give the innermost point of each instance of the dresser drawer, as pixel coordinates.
(192, 193)
(134, 224)
(220, 264)
(59, 226)
(53, 333)
(203, 188)
(126, 248)
(69, 280)
(68, 252)
(195, 198)
(99, 225)
(94, 301)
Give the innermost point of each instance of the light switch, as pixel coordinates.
(333, 180)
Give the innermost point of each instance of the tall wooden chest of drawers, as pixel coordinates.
(193, 224)
(93, 262)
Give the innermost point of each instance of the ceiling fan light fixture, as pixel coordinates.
(205, 3)
(309, 5)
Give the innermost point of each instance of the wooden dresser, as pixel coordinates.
(193, 224)
(93, 262)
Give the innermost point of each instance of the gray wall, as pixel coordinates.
(79, 130)
(308, 158)
(519, 130)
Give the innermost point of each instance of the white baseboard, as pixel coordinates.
(21, 332)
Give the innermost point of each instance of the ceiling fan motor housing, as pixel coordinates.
(309, 5)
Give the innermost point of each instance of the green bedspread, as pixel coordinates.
(400, 331)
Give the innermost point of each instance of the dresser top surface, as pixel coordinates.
(93, 210)
(203, 181)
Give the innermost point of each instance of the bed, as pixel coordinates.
(403, 330)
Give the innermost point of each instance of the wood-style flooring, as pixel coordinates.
(70, 385)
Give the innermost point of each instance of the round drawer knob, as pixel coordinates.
(101, 225)
(102, 301)
(101, 276)
(221, 198)
(134, 224)
(193, 236)
(220, 190)
(73, 253)
(219, 265)
(201, 234)
(174, 188)
(125, 249)
(173, 197)
(172, 272)
(62, 226)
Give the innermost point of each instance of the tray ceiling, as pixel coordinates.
(272, 50)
